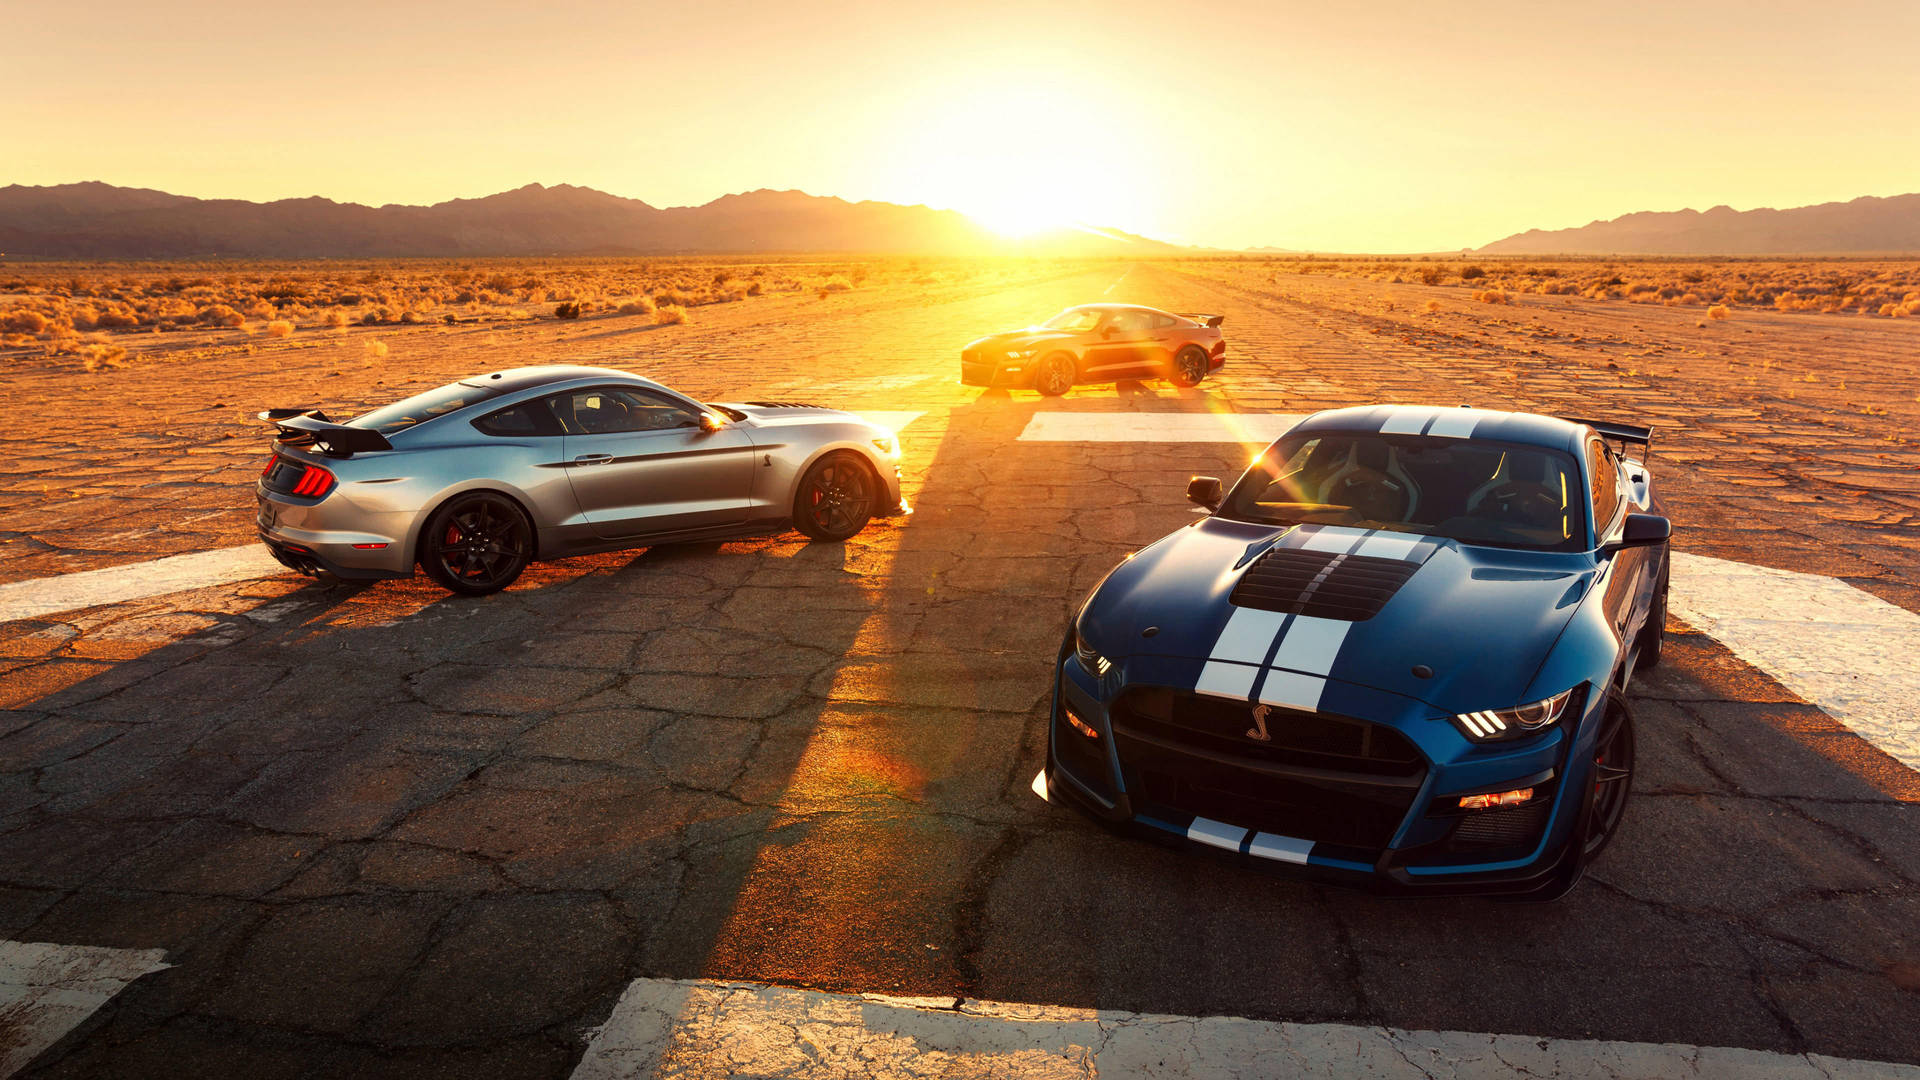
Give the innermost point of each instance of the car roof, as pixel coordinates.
(1122, 307)
(1458, 422)
(511, 380)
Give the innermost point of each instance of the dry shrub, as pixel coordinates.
(23, 322)
(569, 310)
(1433, 306)
(220, 315)
(98, 357)
(637, 306)
(1718, 312)
(338, 320)
(670, 315)
(1472, 273)
(376, 348)
(1493, 296)
(279, 328)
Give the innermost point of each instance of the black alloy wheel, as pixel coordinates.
(835, 499)
(1612, 778)
(1053, 376)
(477, 544)
(1190, 366)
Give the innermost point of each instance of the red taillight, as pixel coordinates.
(314, 482)
(268, 467)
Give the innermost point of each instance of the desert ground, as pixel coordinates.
(381, 831)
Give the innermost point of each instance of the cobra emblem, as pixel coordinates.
(1259, 728)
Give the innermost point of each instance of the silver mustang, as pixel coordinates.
(476, 479)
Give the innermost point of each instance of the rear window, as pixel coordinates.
(526, 418)
(421, 408)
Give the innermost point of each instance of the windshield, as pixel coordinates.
(1075, 320)
(420, 408)
(1498, 494)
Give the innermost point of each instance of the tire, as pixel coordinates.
(477, 543)
(1189, 366)
(1053, 375)
(1654, 634)
(835, 498)
(1611, 781)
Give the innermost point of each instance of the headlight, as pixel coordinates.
(1019, 354)
(1089, 659)
(887, 444)
(1493, 725)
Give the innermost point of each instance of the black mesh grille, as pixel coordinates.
(1351, 587)
(784, 405)
(1294, 737)
(1516, 826)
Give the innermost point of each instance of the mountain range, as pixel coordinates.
(101, 221)
(1866, 225)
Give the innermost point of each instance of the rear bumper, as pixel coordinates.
(329, 535)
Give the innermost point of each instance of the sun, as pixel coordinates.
(1022, 158)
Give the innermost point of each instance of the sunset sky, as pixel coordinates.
(1369, 127)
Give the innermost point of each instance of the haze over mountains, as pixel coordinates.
(1865, 225)
(100, 221)
(96, 220)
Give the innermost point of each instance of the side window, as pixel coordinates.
(1161, 322)
(526, 418)
(1605, 481)
(1130, 322)
(605, 410)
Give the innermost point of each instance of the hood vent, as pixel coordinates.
(1299, 582)
(783, 405)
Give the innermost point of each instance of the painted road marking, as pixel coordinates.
(46, 990)
(1135, 427)
(136, 581)
(695, 1028)
(1844, 650)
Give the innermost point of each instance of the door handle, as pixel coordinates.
(593, 459)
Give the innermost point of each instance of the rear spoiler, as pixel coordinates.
(1626, 434)
(1207, 320)
(334, 440)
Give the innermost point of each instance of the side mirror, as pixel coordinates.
(1643, 530)
(1205, 491)
(710, 422)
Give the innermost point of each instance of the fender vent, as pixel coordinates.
(784, 405)
(1351, 587)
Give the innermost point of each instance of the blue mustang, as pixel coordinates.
(1394, 654)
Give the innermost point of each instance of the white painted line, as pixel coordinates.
(1846, 651)
(46, 990)
(137, 581)
(1137, 427)
(892, 421)
(696, 1028)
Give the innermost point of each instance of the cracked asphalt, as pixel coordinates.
(382, 831)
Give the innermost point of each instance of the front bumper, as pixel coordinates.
(982, 367)
(1422, 852)
(331, 536)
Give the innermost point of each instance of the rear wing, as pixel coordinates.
(1624, 434)
(1213, 321)
(311, 427)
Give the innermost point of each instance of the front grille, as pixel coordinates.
(784, 405)
(1300, 582)
(1295, 737)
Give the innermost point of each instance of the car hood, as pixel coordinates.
(768, 414)
(1020, 339)
(1483, 619)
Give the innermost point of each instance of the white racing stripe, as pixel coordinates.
(136, 581)
(1846, 651)
(1292, 690)
(1227, 680)
(1216, 833)
(47, 990)
(698, 1029)
(1285, 849)
(1248, 635)
(1137, 427)
(1312, 644)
